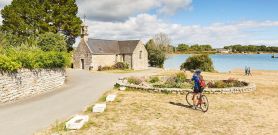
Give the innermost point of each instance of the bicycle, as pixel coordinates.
(202, 103)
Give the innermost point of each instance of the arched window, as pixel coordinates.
(140, 55)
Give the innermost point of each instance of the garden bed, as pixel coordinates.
(179, 84)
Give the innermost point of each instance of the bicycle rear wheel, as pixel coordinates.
(189, 97)
(205, 104)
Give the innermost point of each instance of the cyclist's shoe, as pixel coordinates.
(194, 107)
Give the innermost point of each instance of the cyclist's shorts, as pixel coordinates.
(198, 90)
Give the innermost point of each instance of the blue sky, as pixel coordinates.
(215, 22)
(205, 12)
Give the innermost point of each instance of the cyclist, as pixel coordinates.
(197, 78)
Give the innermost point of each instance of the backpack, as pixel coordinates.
(202, 83)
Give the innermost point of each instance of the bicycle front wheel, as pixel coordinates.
(204, 104)
(189, 98)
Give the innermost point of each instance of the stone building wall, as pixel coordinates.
(82, 55)
(26, 83)
(128, 59)
(82, 52)
(103, 60)
(140, 63)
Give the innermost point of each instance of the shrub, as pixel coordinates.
(52, 42)
(202, 62)
(156, 54)
(171, 84)
(99, 68)
(134, 80)
(177, 78)
(180, 77)
(121, 65)
(226, 84)
(15, 58)
(118, 65)
(154, 79)
(104, 68)
(117, 85)
(8, 65)
(156, 58)
(220, 84)
(176, 81)
(53, 60)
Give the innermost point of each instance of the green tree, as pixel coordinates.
(62, 17)
(27, 18)
(52, 42)
(151, 45)
(156, 55)
(252, 48)
(183, 47)
(23, 17)
(156, 58)
(205, 47)
(195, 47)
(3, 41)
(202, 62)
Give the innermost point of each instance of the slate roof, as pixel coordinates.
(101, 46)
(128, 46)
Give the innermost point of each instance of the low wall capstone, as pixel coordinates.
(26, 83)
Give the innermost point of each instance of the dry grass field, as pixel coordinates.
(136, 112)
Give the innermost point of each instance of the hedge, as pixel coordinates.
(13, 59)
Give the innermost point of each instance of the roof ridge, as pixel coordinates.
(102, 39)
(130, 40)
(113, 40)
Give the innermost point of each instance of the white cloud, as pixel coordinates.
(144, 26)
(4, 2)
(171, 6)
(119, 10)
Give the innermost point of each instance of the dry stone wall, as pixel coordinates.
(26, 83)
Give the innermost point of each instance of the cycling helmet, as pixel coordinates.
(198, 71)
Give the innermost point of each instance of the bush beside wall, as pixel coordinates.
(13, 59)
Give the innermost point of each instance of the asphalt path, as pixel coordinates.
(81, 89)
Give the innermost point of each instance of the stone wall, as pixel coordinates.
(26, 83)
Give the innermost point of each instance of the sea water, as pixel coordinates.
(227, 62)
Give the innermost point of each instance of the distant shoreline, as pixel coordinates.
(174, 54)
(233, 70)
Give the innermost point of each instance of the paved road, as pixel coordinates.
(29, 116)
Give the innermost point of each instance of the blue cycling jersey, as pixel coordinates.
(196, 79)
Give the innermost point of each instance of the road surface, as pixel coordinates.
(81, 89)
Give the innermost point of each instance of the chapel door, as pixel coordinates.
(82, 64)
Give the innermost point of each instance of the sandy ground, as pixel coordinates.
(137, 112)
